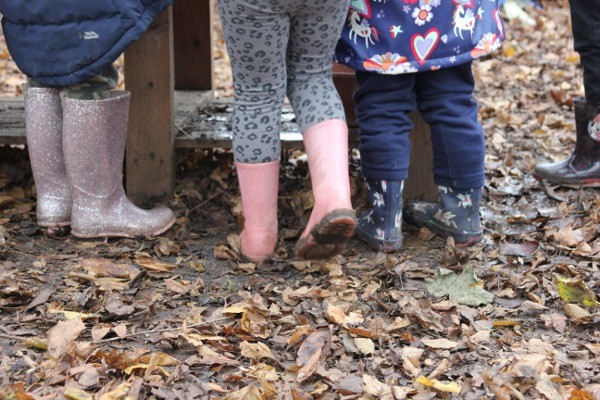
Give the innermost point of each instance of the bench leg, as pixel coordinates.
(150, 156)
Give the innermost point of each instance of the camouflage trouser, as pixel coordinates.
(95, 88)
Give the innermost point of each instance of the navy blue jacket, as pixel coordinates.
(63, 42)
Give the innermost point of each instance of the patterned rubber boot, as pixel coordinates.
(381, 226)
(456, 215)
(43, 124)
(582, 168)
(94, 133)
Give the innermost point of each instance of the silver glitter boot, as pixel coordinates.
(43, 124)
(94, 133)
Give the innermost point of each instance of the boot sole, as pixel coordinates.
(591, 183)
(121, 234)
(328, 238)
(387, 246)
(53, 225)
(460, 239)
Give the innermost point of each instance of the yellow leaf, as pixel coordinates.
(575, 290)
(36, 343)
(238, 308)
(451, 387)
(76, 394)
(505, 322)
(160, 358)
(509, 51)
(117, 393)
(129, 370)
(71, 315)
(572, 57)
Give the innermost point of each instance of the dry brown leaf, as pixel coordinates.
(376, 388)
(255, 351)
(62, 335)
(439, 343)
(410, 360)
(319, 340)
(248, 393)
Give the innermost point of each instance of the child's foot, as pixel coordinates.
(381, 226)
(457, 215)
(328, 237)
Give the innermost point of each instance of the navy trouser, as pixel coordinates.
(585, 19)
(445, 100)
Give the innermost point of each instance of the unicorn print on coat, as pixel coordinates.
(405, 36)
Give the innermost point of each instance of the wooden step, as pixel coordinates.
(204, 123)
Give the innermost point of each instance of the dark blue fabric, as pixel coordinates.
(403, 36)
(445, 100)
(63, 42)
(585, 18)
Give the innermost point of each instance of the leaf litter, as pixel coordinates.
(183, 317)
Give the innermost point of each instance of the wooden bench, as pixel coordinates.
(169, 71)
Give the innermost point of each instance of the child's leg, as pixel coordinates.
(446, 102)
(257, 35)
(315, 29)
(383, 103)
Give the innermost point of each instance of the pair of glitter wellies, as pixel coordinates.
(76, 148)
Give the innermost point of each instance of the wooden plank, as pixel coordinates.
(193, 46)
(12, 120)
(419, 184)
(150, 156)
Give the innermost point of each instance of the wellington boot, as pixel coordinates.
(259, 184)
(332, 221)
(94, 133)
(456, 215)
(43, 125)
(381, 225)
(582, 168)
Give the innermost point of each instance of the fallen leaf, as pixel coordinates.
(319, 340)
(410, 360)
(573, 311)
(365, 346)
(76, 394)
(463, 289)
(62, 335)
(255, 351)
(574, 289)
(451, 387)
(439, 343)
(248, 393)
(374, 387)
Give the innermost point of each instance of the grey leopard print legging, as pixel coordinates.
(278, 47)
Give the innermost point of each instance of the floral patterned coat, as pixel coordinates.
(404, 36)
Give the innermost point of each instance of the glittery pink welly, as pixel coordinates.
(43, 124)
(94, 133)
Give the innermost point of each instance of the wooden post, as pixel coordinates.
(150, 157)
(420, 183)
(193, 46)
